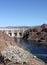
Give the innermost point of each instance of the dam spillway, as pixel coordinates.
(15, 31)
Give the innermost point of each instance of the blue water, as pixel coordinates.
(37, 49)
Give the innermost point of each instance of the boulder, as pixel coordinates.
(15, 54)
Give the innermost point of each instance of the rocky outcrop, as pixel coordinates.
(15, 54)
(37, 34)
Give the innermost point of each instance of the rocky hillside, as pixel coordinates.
(37, 34)
(12, 54)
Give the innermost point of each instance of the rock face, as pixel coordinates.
(37, 34)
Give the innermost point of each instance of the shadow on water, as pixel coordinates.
(37, 49)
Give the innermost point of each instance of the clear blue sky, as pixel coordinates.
(23, 12)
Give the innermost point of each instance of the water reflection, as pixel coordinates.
(37, 49)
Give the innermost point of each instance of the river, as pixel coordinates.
(37, 49)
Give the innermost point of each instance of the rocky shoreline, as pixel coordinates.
(38, 34)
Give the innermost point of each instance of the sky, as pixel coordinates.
(23, 12)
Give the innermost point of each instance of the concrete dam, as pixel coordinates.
(14, 31)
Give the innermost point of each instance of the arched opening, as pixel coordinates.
(20, 34)
(10, 34)
(15, 34)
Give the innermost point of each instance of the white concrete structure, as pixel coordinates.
(14, 31)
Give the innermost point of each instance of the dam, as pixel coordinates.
(15, 31)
